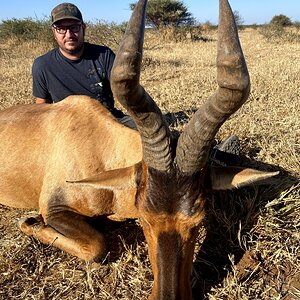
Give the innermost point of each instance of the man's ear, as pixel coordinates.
(226, 178)
(83, 28)
(118, 179)
(53, 32)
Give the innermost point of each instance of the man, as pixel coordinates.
(79, 68)
(74, 67)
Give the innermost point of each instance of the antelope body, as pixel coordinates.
(46, 151)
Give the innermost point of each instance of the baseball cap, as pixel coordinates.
(66, 11)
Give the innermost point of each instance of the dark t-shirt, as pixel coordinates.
(55, 77)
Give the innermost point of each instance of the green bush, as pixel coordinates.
(26, 29)
(281, 20)
(29, 29)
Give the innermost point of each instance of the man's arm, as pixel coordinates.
(41, 100)
(40, 88)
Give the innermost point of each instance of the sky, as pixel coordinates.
(251, 11)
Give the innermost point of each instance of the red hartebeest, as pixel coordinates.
(145, 174)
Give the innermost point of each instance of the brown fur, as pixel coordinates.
(171, 238)
(42, 146)
(46, 152)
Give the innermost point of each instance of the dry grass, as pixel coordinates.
(249, 247)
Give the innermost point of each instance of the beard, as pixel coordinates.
(73, 46)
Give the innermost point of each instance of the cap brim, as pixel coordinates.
(67, 18)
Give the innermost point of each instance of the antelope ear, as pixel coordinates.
(118, 179)
(226, 178)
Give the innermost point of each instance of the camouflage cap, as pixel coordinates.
(66, 11)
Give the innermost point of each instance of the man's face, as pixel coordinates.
(69, 35)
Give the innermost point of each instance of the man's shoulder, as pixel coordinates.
(93, 49)
(45, 58)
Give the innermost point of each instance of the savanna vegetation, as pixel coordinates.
(249, 246)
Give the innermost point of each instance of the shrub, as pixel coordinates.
(207, 26)
(29, 29)
(105, 33)
(26, 29)
(277, 33)
(281, 20)
(238, 19)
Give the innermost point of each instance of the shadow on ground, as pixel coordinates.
(230, 215)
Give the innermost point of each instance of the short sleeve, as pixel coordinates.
(110, 58)
(39, 83)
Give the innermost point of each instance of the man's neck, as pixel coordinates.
(72, 56)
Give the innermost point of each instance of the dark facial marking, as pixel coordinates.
(168, 262)
(172, 192)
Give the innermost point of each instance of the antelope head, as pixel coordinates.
(173, 174)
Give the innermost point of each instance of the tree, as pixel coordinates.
(238, 18)
(281, 20)
(162, 13)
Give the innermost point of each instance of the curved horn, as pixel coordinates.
(125, 77)
(234, 88)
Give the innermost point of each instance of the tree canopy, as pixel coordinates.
(162, 13)
(281, 20)
(238, 18)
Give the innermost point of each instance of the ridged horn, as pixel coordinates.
(233, 90)
(125, 84)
